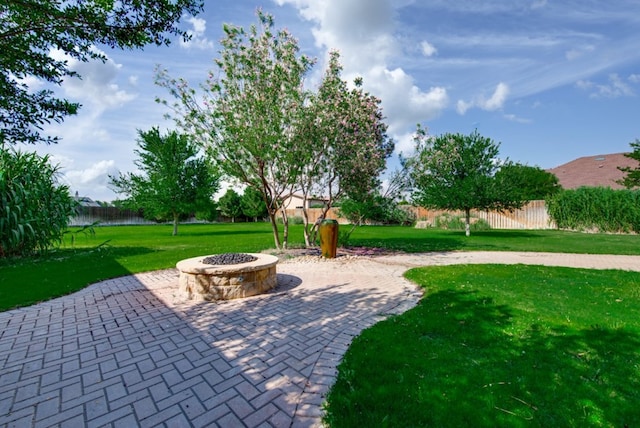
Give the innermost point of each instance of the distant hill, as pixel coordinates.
(593, 171)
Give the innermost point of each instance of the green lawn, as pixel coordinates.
(122, 250)
(495, 345)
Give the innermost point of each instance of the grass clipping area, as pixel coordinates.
(495, 345)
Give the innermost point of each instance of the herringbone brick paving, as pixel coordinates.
(126, 352)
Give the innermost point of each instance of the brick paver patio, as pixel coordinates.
(127, 352)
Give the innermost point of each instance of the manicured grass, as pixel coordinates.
(423, 240)
(495, 345)
(121, 250)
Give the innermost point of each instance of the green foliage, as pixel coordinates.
(375, 208)
(345, 137)
(253, 206)
(343, 141)
(207, 211)
(527, 183)
(31, 29)
(252, 102)
(499, 346)
(268, 132)
(632, 177)
(455, 222)
(230, 204)
(175, 181)
(35, 208)
(596, 209)
(458, 172)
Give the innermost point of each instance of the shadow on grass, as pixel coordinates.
(506, 234)
(61, 272)
(225, 232)
(471, 364)
(413, 244)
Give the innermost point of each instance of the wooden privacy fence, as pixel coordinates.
(532, 216)
(106, 216)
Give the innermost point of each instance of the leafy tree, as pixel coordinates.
(175, 181)
(230, 205)
(251, 107)
(527, 183)
(632, 179)
(457, 172)
(35, 208)
(207, 211)
(30, 29)
(343, 144)
(252, 204)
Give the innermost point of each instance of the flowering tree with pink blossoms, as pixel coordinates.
(259, 124)
(345, 142)
(250, 110)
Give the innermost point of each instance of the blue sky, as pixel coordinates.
(550, 80)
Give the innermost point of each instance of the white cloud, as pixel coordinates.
(94, 174)
(495, 102)
(517, 119)
(428, 49)
(498, 98)
(364, 33)
(615, 87)
(197, 33)
(96, 85)
(634, 78)
(92, 181)
(538, 4)
(403, 102)
(405, 144)
(576, 53)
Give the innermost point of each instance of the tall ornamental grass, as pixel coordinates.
(600, 209)
(35, 208)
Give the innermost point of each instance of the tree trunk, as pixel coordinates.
(175, 224)
(467, 221)
(274, 227)
(285, 228)
(307, 228)
(316, 225)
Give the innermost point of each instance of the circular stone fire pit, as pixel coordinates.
(201, 280)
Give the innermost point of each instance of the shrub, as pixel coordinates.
(599, 209)
(457, 222)
(35, 208)
(292, 220)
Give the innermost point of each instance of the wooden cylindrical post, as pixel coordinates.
(329, 238)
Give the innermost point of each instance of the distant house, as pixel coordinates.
(297, 201)
(593, 171)
(85, 201)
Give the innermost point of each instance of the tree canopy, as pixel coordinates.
(31, 29)
(343, 144)
(252, 204)
(175, 181)
(251, 105)
(632, 177)
(527, 183)
(230, 205)
(457, 172)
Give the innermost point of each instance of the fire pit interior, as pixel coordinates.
(227, 276)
